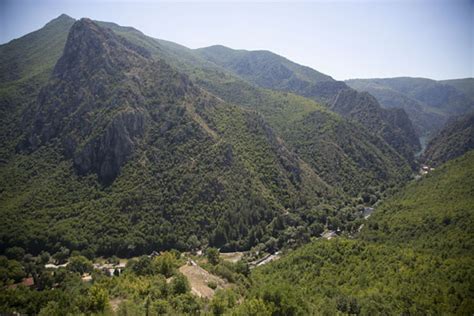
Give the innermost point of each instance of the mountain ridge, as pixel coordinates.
(415, 95)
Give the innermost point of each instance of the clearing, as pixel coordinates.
(199, 279)
(232, 256)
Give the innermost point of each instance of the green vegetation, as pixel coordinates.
(428, 103)
(136, 291)
(413, 257)
(285, 112)
(99, 179)
(120, 145)
(268, 70)
(465, 85)
(455, 139)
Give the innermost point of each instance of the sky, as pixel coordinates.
(344, 39)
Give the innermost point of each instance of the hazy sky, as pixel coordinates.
(344, 39)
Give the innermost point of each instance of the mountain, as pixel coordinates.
(358, 159)
(465, 85)
(122, 154)
(126, 144)
(455, 139)
(413, 256)
(393, 124)
(268, 70)
(428, 103)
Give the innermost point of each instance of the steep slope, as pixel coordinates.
(413, 257)
(425, 121)
(268, 70)
(429, 103)
(455, 139)
(25, 65)
(126, 155)
(353, 170)
(434, 213)
(146, 162)
(393, 125)
(465, 85)
(34, 53)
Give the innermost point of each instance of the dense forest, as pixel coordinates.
(413, 256)
(141, 177)
(96, 174)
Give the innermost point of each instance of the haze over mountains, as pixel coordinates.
(428, 103)
(114, 143)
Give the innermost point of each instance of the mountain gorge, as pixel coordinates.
(454, 140)
(428, 103)
(268, 70)
(215, 181)
(162, 150)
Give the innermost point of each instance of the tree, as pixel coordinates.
(185, 304)
(98, 299)
(79, 264)
(222, 301)
(62, 255)
(165, 264)
(212, 255)
(44, 257)
(10, 270)
(160, 307)
(193, 242)
(253, 307)
(51, 309)
(113, 260)
(15, 253)
(143, 266)
(179, 284)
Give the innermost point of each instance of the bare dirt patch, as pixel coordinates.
(115, 303)
(199, 279)
(232, 256)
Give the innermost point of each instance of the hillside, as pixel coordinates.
(428, 103)
(465, 85)
(276, 108)
(455, 139)
(141, 177)
(268, 70)
(414, 256)
(122, 154)
(393, 125)
(279, 109)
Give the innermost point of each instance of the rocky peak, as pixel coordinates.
(91, 49)
(98, 101)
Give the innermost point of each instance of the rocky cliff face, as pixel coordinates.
(96, 103)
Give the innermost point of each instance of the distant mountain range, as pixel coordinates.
(268, 70)
(428, 103)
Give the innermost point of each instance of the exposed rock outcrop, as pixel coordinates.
(98, 100)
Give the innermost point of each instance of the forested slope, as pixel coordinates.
(428, 103)
(456, 138)
(415, 256)
(122, 154)
(268, 70)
